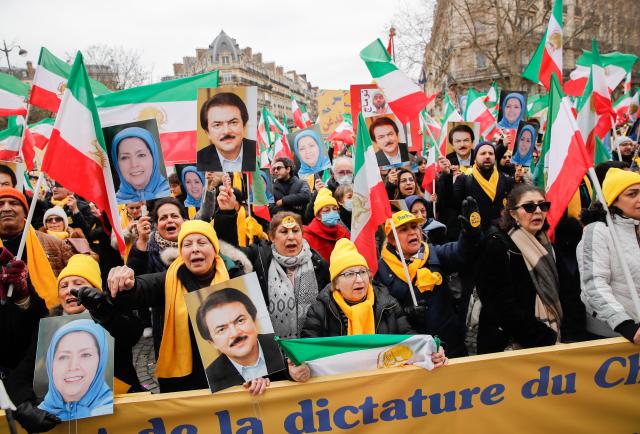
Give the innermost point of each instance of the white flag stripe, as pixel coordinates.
(562, 133)
(11, 101)
(48, 80)
(80, 133)
(171, 116)
(396, 85)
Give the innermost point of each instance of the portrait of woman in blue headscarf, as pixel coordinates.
(512, 110)
(311, 153)
(525, 143)
(76, 362)
(193, 183)
(136, 157)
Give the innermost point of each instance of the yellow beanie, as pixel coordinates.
(83, 266)
(617, 181)
(198, 227)
(323, 198)
(343, 256)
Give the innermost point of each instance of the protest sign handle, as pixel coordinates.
(248, 195)
(433, 202)
(404, 263)
(616, 242)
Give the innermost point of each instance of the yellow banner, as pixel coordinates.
(332, 105)
(589, 387)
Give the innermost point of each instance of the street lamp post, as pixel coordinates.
(6, 50)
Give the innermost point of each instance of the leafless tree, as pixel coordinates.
(412, 23)
(116, 67)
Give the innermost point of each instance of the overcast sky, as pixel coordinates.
(319, 38)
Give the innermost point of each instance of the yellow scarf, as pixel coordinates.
(488, 186)
(61, 203)
(174, 359)
(41, 273)
(575, 204)
(254, 230)
(237, 181)
(124, 223)
(192, 212)
(241, 227)
(423, 278)
(360, 316)
(61, 235)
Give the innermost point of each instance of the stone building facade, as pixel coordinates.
(241, 66)
(476, 42)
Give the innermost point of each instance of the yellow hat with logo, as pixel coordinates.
(401, 218)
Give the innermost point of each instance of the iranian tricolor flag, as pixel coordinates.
(50, 82)
(77, 142)
(430, 132)
(10, 140)
(13, 94)
(492, 98)
(616, 65)
(537, 106)
(343, 132)
(450, 115)
(173, 104)
(477, 111)
(405, 97)
(41, 132)
(565, 154)
(634, 106)
(300, 116)
(338, 354)
(622, 106)
(595, 111)
(547, 58)
(370, 201)
(263, 140)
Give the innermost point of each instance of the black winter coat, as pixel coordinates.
(294, 193)
(323, 316)
(508, 296)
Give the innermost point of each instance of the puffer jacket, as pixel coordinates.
(323, 317)
(604, 289)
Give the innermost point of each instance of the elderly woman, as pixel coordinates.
(524, 287)
(311, 153)
(605, 291)
(289, 271)
(198, 265)
(56, 223)
(513, 106)
(326, 228)
(136, 157)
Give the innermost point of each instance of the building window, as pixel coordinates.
(226, 77)
(481, 61)
(225, 60)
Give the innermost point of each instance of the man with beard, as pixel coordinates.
(379, 103)
(224, 117)
(486, 184)
(226, 319)
(503, 157)
(289, 192)
(627, 149)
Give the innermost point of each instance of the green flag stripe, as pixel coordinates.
(13, 85)
(55, 65)
(377, 58)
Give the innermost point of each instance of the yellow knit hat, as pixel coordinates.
(343, 256)
(323, 198)
(617, 181)
(198, 227)
(401, 218)
(83, 266)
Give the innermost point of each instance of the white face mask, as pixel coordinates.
(345, 180)
(348, 205)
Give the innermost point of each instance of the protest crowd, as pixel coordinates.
(462, 253)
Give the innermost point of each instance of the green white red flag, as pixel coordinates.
(450, 115)
(343, 132)
(594, 110)
(622, 106)
(41, 132)
(547, 59)
(77, 142)
(370, 201)
(171, 103)
(492, 99)
(10, 139)
(477, 111)
(616, 66)
(564, 153)
(13, 95)
(405, 98)
(50, 81)
(430, 132)
(300, 116)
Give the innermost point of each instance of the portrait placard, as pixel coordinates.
(234, 332)
(8, 174)
(310, 152)
(389, 141)
(74, 367)
(136, 161)
(513, 108)
(524, 144)
(462, 137)
(226, 129)
(193, 183)
(332, 106)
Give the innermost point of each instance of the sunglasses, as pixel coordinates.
(54, 220)
(531, 207)
(277, 168)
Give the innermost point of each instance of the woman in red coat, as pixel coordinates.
(326, 228)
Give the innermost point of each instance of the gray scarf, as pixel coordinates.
(289, 301)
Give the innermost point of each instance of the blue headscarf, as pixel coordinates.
(526, 160)
(504, 123)
(190, 200)
(98, 395)
(323, 160)
(158, 185)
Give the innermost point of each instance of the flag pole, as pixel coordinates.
(404, 263)
(248, 194)
(27, 224)
(616, 242)
(615, 137)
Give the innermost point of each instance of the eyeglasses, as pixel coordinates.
(277, 168)
(54, 219)
(531, 207)
(351, 275)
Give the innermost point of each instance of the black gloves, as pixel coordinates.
(417, 317)
(96, 302)
(470, 221)
(34, 419)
